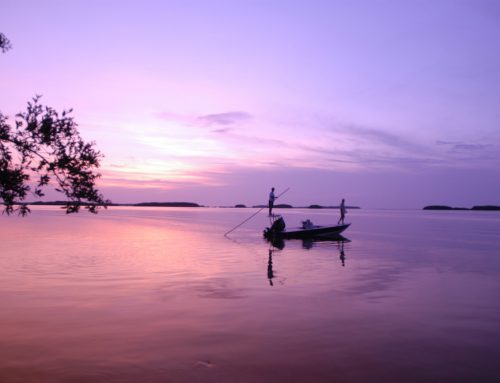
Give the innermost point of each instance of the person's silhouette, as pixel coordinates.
(343, 211)
(272, 197)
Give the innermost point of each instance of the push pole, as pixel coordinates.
(254, 214)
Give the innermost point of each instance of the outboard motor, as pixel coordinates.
(277, 227)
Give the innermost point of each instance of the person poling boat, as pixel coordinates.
(258, 211)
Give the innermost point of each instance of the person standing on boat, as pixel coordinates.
(272, 197)
(342, 212)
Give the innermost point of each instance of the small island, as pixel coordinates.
(486, 208)
(331, 207)
(279, 206)
(443, 207)
(476, 208)
(168, 204)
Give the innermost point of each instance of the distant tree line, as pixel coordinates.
(476, 208)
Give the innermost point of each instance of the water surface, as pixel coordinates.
(160, 295)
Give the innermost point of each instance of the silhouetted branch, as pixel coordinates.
(48, 145)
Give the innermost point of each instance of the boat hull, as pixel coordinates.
(313, 232)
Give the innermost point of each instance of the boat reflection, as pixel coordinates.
(278, 244)
(338, 240)
(309, 243)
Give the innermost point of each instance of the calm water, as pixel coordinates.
(160, 295)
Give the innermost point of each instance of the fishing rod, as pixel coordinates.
(253, 215)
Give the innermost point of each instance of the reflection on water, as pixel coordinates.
(336, 241)
(342, 253)
(270, 272)
(159, 295)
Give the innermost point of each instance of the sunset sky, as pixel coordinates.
(389, 104)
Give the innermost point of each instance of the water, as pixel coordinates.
(160, 295)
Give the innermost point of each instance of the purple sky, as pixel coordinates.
(389, 104)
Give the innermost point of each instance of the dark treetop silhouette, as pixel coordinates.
(5, 44)
(43, 146)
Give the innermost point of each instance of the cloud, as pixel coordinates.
(223, 130)
(371, 147)
(135, 180)
(376, 138)
(342, 147)
(350, 146)
(462, 146)
(182, 151)
(221, 123)
(470, 147)
(376, 135)
(471, 153)
(441, 142)
(227, 118)
(177, 117)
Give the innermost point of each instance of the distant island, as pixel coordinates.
(153, 204)
(331, 207)
(168, 204)
(279, 206)
(476, 208)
